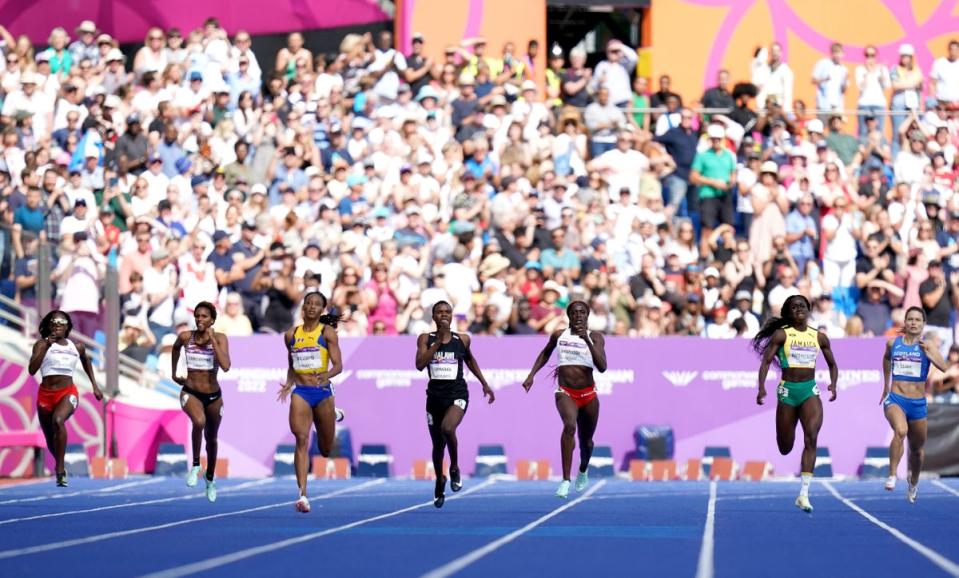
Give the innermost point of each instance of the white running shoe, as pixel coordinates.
(302, 505)
(890, 483)
(211, 491)
(193, 476)
(563, 489)
(912, 493)
(582, 480)
(802, 502)
(340, 414)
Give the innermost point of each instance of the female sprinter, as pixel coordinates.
(313, 359)
(56, 357)
(907, 359)
(796, 346)
(447, 396)
(580, 352)
(206, 353)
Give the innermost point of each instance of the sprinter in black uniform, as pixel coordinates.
(447, 396)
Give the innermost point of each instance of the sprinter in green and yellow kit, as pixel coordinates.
(796, 346)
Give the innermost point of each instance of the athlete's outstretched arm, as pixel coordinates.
(290, 374)
(886, 371)
(775, 342)
(831, 362)
(475, 368)
(934, 356)
(336, 357)
(88, 369)
(541, 359)
(423, 353)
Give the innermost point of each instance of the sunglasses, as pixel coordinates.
(59, 321)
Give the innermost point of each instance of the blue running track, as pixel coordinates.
(376, 528)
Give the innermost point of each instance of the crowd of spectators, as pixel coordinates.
(390, 181)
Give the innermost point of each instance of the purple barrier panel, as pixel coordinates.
(139, 432)
(704, 389)
(18, 411)
(128, 20)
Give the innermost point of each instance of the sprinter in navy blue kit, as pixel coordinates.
(444, 353)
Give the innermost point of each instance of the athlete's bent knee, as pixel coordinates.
(900, 433)
(302, 440)
(569, 428)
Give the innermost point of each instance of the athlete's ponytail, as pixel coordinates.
(761, 341)
(331, 319)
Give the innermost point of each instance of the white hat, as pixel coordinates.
(906, 50)
(528, 85)
(115, 54)
(87, 26)
(467, 79)
(769, 167)
(258, 188)
(715, 131)
(815, 125)
(654, 302)
(711, 272)
(28, 78)
(552, 286)
(112, 101)
(91, 150)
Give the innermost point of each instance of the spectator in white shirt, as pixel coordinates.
(839, 260)
(778, 84)
(830, 77)
(623, 166)
(30, 100)
(872, 80)
(944, 77)
(614, 72)
(388, 64)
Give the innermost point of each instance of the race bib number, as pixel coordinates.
(460, 403)
(783, 391)
(802, 357)
(74, 401)
(200, 360)
(907, 368)
(307, 359)
(444, 369)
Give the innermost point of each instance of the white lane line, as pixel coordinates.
(83, 492)
(939, 484)
(936, 558)
(132, 504)
(458, 564)
(706, 568)
(119, 534)
(225, 559)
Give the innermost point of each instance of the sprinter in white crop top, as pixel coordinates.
(56, 357)
(579, 353)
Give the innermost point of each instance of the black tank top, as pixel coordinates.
(446, 369)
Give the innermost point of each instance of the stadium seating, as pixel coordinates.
(331, 468)
(283, 460)
(712, 452)
(654, 442)
(374, 462)
(532, 470)
(171, 460)
(490, 460)
(875, 464)
(662, 470)
(75, 461)
(694, 470)
(756, 471)
(638, 470)
(601, 463)
(823, 467)
(722, 469)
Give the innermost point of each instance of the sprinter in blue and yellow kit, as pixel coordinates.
(313, 360)
(907, 360)
(796, 346)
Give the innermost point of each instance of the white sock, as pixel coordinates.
(806, 480)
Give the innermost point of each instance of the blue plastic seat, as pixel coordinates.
(374, 461)
(171, 460)
(601, 463)
(490, 460)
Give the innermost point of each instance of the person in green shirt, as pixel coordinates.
(640, 101)
(845, 146)
(713, 171)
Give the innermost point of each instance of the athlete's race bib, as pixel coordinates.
(802, 356)
(907, 368)
(199, 359)
(444, 369)
(307, 359)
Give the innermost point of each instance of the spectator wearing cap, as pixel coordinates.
(242, 79)
(71, 100)
(940, 296)
(250, 260)
(80, 220)
(419, 66)
(160, 284)
(769, 204)
(466, 104)
(604, 120)
(226, 268)
(336, 153)
(157, 180)
(742, 309)
(286, 171)
(713, 172)
(906, 79)
(576, 80)
(29, 99)
(133, 145)
(115, 76)
(79, 276)
(912, 160)
(136, 341)
(614, 72)
(85, 47)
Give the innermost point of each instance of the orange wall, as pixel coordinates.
(444, 22)
(692, 39)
